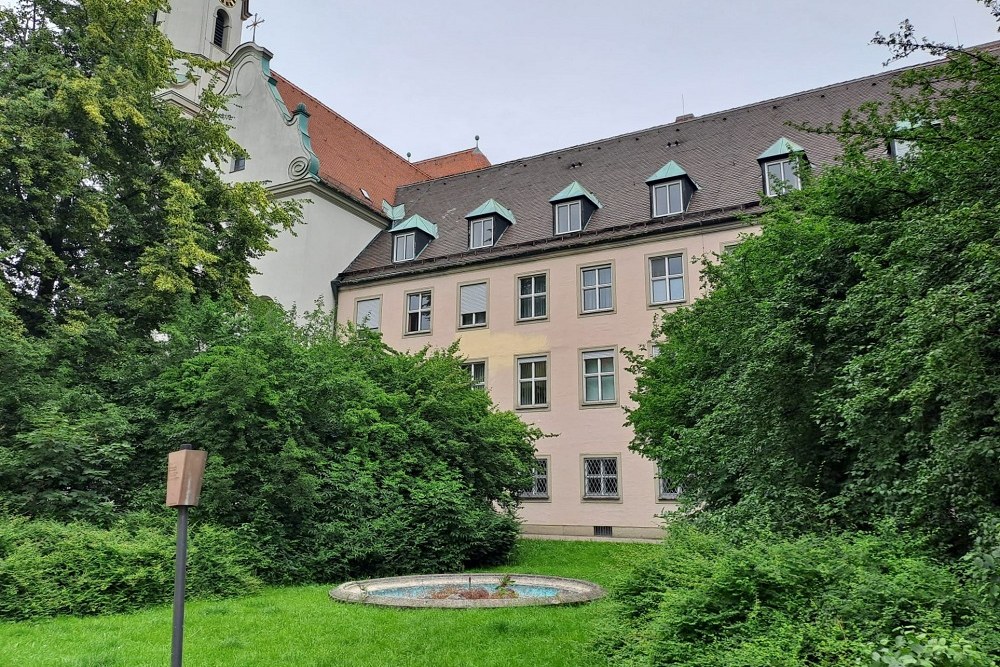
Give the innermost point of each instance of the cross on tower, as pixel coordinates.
(253, 25)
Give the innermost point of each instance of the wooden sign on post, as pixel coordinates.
(185, 471)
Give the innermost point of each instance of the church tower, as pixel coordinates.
(208, 28)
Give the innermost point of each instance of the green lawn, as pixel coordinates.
(301, 626)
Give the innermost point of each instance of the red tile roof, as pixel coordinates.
(350, 159)
(453, 163)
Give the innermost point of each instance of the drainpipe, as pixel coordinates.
(335, 288)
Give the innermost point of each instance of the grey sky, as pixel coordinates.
(532, 76)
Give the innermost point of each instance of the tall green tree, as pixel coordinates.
(846, 364)
(113, 216)
(111, 204)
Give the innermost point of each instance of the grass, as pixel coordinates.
(302, 626)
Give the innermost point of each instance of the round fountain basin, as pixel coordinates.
(446, 591)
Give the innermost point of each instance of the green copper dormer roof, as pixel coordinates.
(575, 191)
(394, 213)
(417, 222)
(668, 171)
(489, 207)
(781, 147)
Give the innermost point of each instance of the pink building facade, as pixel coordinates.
(546, 269)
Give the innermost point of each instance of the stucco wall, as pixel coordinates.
(578, 430)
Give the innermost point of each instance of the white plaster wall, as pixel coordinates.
(579, 430)
(332, 232)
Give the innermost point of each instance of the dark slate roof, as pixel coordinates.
(719, 151)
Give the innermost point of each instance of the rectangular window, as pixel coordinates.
(418, 312)
(239, 163)
(667, 489)
(600, 477)
(368, 313)
(477, 374)
(599, 376)
(532, 297)
(472, 305)
(539, 480)
(404, 246)
(532, 382)
(667, 199)
(666, 279)
(781, 176)
(596, 289)
(568, 217)
(481, 233)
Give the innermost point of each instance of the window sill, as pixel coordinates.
(529, 320)
(599, 404)
(602, 311)
(531, 408)
(534, 499)
(416, 333)
(463, 327)
(606, 499)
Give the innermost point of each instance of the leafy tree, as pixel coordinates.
(111, 203)
(845, 365)
(341, 456)
(113, 215)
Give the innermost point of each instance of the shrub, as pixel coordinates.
(48, 568)
(814, 600)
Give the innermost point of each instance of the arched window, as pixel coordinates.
(221, 28)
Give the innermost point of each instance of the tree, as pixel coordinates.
(111, 204)
(113, 217)
(845, 365)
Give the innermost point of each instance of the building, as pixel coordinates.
(301, 149)
(547, 268)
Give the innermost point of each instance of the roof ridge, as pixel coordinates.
(327, 108)
(801, 93)
(444, 155)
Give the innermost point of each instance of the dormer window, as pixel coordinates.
(898, 148)
(410, 237)
(481, 233)
(487, 223)
(670, 190)
(404, 247)
(572, 208)
(780, 167)
(568, 218)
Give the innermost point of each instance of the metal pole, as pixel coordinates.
(180, 581)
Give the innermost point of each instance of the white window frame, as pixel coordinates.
(537, 476)
(532, 296)
(604, 493)
(378, 313)
(470, 366)
(599, 374)
(596, 288)
(533, 381)
(476, 321)
(666, 278)
(419, 311)
(668, 184)
(411, 246)
(481, 223)
(788, 169)
(569, 206)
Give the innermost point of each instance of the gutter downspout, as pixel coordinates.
(335, 288)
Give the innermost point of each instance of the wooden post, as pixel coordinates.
(185, 471)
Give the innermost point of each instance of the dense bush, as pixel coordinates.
(819, 600)
(844, 367)
(343, 457)
(49, 568)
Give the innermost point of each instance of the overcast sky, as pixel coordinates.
(530, 76)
